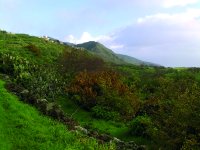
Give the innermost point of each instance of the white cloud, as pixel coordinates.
(170, 39)
(85, 37)
(166, 39)
(173, 3)
(188, 15)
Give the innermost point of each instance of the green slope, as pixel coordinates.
(19, 44)
(22, 127)
(109, 56)
(102, 51)
(135, 61)
(48, 51)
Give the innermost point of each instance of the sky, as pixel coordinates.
(165, 32)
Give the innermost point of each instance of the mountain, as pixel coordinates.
(77, 106)
(109, 56)
(102, 51)
(68, 43)
(135, 61)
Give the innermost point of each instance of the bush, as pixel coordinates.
(76, 60)
(106, 89)
(143, 126)
(14, 65)
(192, 144)
(105, 113)
(43, 81)
(32, 48)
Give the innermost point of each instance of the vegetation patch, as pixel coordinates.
(153, 105)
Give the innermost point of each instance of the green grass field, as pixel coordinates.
(85, 118)
(22, 127)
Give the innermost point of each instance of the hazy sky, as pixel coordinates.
(165, 32)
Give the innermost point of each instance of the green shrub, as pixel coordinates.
(143, 126)
(105, 113)
(191, 144)
(35, 50)
(104, 88)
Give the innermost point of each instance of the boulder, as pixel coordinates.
(25, 91)
(81, 129)
(93, 134)
(116, 140)
(105, 137)
(42, 101)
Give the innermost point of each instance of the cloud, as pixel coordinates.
(113, 4)
(189, 15)
(174, 3)
(85, 37)
(168, 39)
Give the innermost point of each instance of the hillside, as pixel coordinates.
(122, 106)
(103, 52)
(109, 56)
(22, 127)
(37, 49)
(134, 61)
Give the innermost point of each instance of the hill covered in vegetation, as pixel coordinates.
(109, 56)
(153, 106)
(23, 127)
(102, 51)
(134, 61)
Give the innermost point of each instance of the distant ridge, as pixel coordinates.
(101, 51)
(109, 56)
(135, 61)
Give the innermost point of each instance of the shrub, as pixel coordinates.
(105, 113)
(78, 60)
(35, 50)
(192, 144)
(143, 126)
(106, 89)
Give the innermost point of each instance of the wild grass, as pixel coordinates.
(22, 127)
(85, 118)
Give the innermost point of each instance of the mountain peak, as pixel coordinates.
(101, 51)
(109, 56)
(89, 45)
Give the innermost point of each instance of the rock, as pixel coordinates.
(121, 145)
(81, 129)
(7, 77)
(41, 104)
(41, 101)
(50, 106)
(116, 140)
(105, 137)
(93, 134)
(24, 91)
(24, 94)
(55, 111)
(142, 147)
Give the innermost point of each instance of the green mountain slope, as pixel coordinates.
(102, 51)
(130, 60)
(109, 56)
(37, 49)
(135, 61)
(147, 106)
(22, 127)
